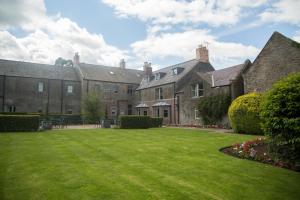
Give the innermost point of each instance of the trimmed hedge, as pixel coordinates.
(280, 112)
(9, 123)
(136, 121)
(156, 122)
(132, 121)
(243, 114)
(65, 118)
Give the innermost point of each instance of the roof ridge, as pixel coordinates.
(110, 67)
(27, 62)
(175, 65)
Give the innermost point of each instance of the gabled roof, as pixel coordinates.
(110, 74)
(279, 39)
(224, 77)
(169, 77)
(36, 70)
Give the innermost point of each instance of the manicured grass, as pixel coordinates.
(135, 164)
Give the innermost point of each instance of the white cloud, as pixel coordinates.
(183, 45)
(212, 12)
(59, 38)
(283, 11)
(27, 14)
(49, 37)
(297, 36)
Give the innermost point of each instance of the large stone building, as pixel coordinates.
(172, 92)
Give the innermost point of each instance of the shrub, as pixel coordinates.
(64, 118)
(243, 114)
(19, 123)
(280, 112)
(213, 108)
(133, 121)
(156, 122)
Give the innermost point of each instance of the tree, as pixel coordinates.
(93, 107)
(63, 62)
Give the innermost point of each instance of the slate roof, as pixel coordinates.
(110, 74)
(162, 103)
(223, 77)
(36, 70)
(169, 77)
(142, 105)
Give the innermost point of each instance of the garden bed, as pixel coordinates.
(257, 150)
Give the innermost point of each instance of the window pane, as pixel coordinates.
(70, 89)
(40, 86)
(166, 113)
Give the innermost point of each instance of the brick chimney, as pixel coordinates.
(147, 69)
(202, 54)
(122, 64)
(76, 59)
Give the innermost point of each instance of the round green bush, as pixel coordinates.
(243, 114)
(280, 112)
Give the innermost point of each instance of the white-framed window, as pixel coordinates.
(197, 90)
(157, 76)
(113, 111)
(129, 89)
(196, 113)
(175, 71)
(166, 113)
(70, 89)
(40, 86)
(158, 93)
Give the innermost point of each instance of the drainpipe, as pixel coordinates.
(3, 95)
(174, 96)
(48, 94)
(62, 96)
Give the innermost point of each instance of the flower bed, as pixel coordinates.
(257, 150)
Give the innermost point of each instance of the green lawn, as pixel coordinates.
(135, 164)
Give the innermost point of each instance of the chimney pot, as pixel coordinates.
(202, 54)
(122, 64)
(76, 59)
(147, 69)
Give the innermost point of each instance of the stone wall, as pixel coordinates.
(147, 96)
(278, 58)
(115, 96)
(22, 93)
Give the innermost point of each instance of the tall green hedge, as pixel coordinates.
(213, 108)
(280, 112)
(136, 121)
(9, 123)
(244, 112)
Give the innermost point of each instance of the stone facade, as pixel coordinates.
(172, 92)
(118, 98)
(278, 58)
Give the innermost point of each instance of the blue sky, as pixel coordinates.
(163, 32)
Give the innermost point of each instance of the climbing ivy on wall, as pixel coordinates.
(213, 108)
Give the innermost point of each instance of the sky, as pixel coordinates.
(163, 32)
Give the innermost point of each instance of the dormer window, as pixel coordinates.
(157, 76)
(175, 71)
